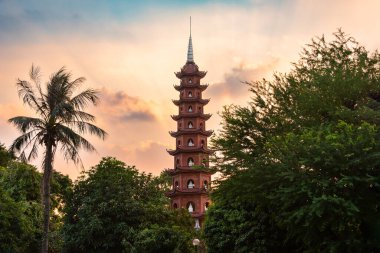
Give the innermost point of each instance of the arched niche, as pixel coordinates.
(190, 184)
(190, 161)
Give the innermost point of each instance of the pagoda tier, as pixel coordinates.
(191, 100)
(177, 192)
(202, 87)
(199, 131)
(189, 169)
(191, 115)
(179, 150)
(190, 69)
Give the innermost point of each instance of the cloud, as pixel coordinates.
(234, 85)
(119, 107)
(138, 116)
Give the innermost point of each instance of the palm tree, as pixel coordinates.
(59, 123)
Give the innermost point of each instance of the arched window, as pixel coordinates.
(190, 94)
(201, 125)
(205, 184)
(190, 109)
(176, 185)
(181, 108)
(190, 161)
(177, 161)
(190, 81)
(206, 206)
(202, 143)
(190, 125)
(175, 206)
(190, 143)
(190, 206)
(197, 226)
(179, 143)
(179, 124)
(190, 184)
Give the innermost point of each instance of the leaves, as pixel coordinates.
(114, 207)
(61, 115)
(305, 152)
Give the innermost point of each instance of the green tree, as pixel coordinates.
(305, 151)
(5, 156)
(20, 187)
(15, 226)
(60, 123)
(114, 208)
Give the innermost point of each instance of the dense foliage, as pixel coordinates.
(303, 158)
(20, 206)
(114, 208)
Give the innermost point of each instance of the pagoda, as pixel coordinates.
(191, 176)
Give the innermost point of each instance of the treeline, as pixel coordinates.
(301, 162)
(110, 208)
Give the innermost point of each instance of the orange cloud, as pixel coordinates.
(118, 107)
(234, 86)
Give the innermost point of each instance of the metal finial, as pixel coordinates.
(190, 56)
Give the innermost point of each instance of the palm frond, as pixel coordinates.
(34, 151)
(24, 140)
(69, 136)
(57, 88)
(28, 96)
(82, 99)
(75, 84)
(70, 152)
(62, 110)
(86, 127)
(83, 116)
(24, 123)
(35, 75)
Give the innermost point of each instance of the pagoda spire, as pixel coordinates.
(190, 56)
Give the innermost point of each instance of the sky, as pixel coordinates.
(129, 51)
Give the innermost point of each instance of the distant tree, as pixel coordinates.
(60, 122)
(304, 153)
(114, 208)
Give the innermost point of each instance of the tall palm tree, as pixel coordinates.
(59, 123)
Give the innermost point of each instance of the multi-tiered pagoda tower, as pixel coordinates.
(191, 174)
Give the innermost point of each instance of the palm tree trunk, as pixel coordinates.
(48, 167)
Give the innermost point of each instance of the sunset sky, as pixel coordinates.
(129, 50)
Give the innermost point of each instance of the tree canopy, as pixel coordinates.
(114, 208)
(304, 153)
(21, 210)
